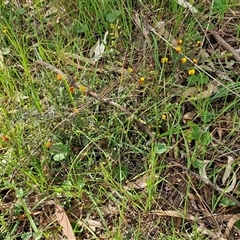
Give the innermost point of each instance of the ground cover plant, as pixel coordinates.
(119, 119)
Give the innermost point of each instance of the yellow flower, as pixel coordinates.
(130, 70)
(75, 110)
(5, 30)
(179, 42)
(82, 88)
(191, 72)
(164, 117)
(184, 60)
(194, 61)
(48, 144)
(141, 80)
(198, 44)
(59, 77)
(178, 49)
(164, 60)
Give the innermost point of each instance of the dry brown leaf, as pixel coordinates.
(187, 5)
(190, 92)
(172, 213)
(189, 116)
(204, 94)
(90, 224)
(161, 30)
(63, 221)
(228, 169)
(231, 222)
(203, 174)
(140, 183)
(105, 210)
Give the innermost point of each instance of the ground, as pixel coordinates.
(119, 120)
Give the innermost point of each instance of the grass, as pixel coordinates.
(61, 146)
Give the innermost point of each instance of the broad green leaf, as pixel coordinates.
(112, 16)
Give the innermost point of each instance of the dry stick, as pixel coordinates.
(227, 47)
(208, 182)
(71, 82)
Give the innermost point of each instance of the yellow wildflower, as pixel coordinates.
(48, 144)
(194, 61)
(164, 60)
(179, 42)
(178, 49)
(130, 70)
(5, 30)
(82, 88)
(75, 110)
(198, 44)
(141, 80)
(164, 117)
(183, 60)
(59, 77)
(191, 72)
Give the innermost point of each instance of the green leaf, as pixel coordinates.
(206, 138)
(112, 16)
(225, 202)
(120, 172)
(197, 163)
(219, 6)
(196, 133)
(199, 79)
(59, 157)
(161, 148)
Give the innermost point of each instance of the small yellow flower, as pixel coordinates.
(191, 72)
(141, 80)
(164, 117)
(179, 42)
(178, 49)
(130, 70)
(194, 61)
(59, 77)
(75, 110)
(82, 88)
(48, 144)
(164, 60)
(183, 60)
(198, 44)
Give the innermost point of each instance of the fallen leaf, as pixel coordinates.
(97, 50)
(140, 183)
(187, 5)
(228, 169)
(90, 224)
(189, 116)
(203, 174)
(190, 92)
(63, 221)
(162, 31)
(204, 94)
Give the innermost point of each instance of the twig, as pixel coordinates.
(71, 82)
(208, 182)
(227, 47)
